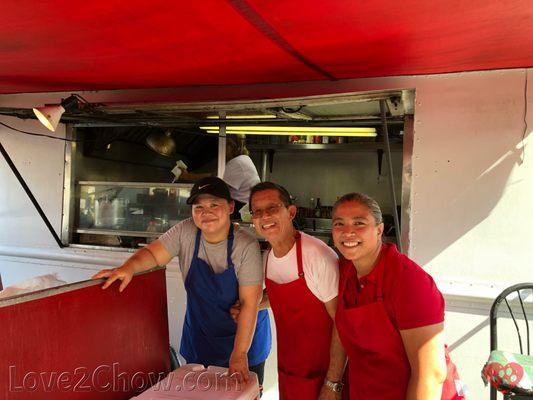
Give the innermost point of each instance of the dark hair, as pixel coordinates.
(236, 145)
(283, 193)
(363, 199)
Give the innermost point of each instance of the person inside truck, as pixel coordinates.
(220, 264)
(240, 173)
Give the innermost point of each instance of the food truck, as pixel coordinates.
(423, 106)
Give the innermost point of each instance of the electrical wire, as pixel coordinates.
(38, 134)
(96, 140)
(79, 141)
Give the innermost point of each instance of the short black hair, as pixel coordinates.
(283, 193)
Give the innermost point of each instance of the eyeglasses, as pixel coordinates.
(270, 210)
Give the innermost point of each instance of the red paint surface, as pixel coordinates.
(64, 45)
(76, 345)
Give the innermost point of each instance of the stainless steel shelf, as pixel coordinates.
(138, 185)
(117, 232)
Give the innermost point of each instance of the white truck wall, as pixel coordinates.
(40, 161)
(471, 192)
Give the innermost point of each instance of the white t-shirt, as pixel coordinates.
(320, 265)
(241, 175)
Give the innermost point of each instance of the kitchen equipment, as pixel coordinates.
(162, 143)
(125, 210)
(103, 213)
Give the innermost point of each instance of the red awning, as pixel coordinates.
(55, 45)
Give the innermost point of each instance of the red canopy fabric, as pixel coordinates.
(55, 45)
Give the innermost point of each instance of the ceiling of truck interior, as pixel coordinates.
(59, 45)
(361, 109)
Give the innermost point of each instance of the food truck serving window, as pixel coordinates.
(124, 191)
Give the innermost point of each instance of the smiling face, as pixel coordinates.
(356, 234)
(272, 219)
(211, 215)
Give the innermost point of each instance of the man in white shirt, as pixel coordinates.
(301, 277)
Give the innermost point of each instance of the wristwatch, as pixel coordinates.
(335, 386)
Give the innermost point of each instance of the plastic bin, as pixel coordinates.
(194, 381)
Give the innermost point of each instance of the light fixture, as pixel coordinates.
(162, 143)
(295, 130)
(50, 114)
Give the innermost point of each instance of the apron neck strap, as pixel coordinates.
(230, 245)
(298, 238)
(197, 242)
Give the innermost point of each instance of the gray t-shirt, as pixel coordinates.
(246, 255)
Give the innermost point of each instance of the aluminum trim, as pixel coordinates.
(39, 294)
(383, 107)
(67, 215)
(407, 174)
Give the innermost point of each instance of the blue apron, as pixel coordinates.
(208, 330)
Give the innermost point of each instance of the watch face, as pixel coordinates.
(335, 386)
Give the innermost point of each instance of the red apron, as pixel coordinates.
(379, 367)
(303, 335)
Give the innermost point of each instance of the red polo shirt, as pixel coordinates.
(411, 297)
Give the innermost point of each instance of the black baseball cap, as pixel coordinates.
(210, 185)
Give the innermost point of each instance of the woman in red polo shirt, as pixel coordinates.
(390, 314)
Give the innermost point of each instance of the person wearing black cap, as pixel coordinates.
(220, 264)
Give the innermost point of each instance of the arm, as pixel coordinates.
(265, 303)
(249, 297)
(337, 356)
(425, 350)
(142, 260)
(236, 308)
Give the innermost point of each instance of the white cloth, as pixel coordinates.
(241, 175)
(320, 265)
(32, 285)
